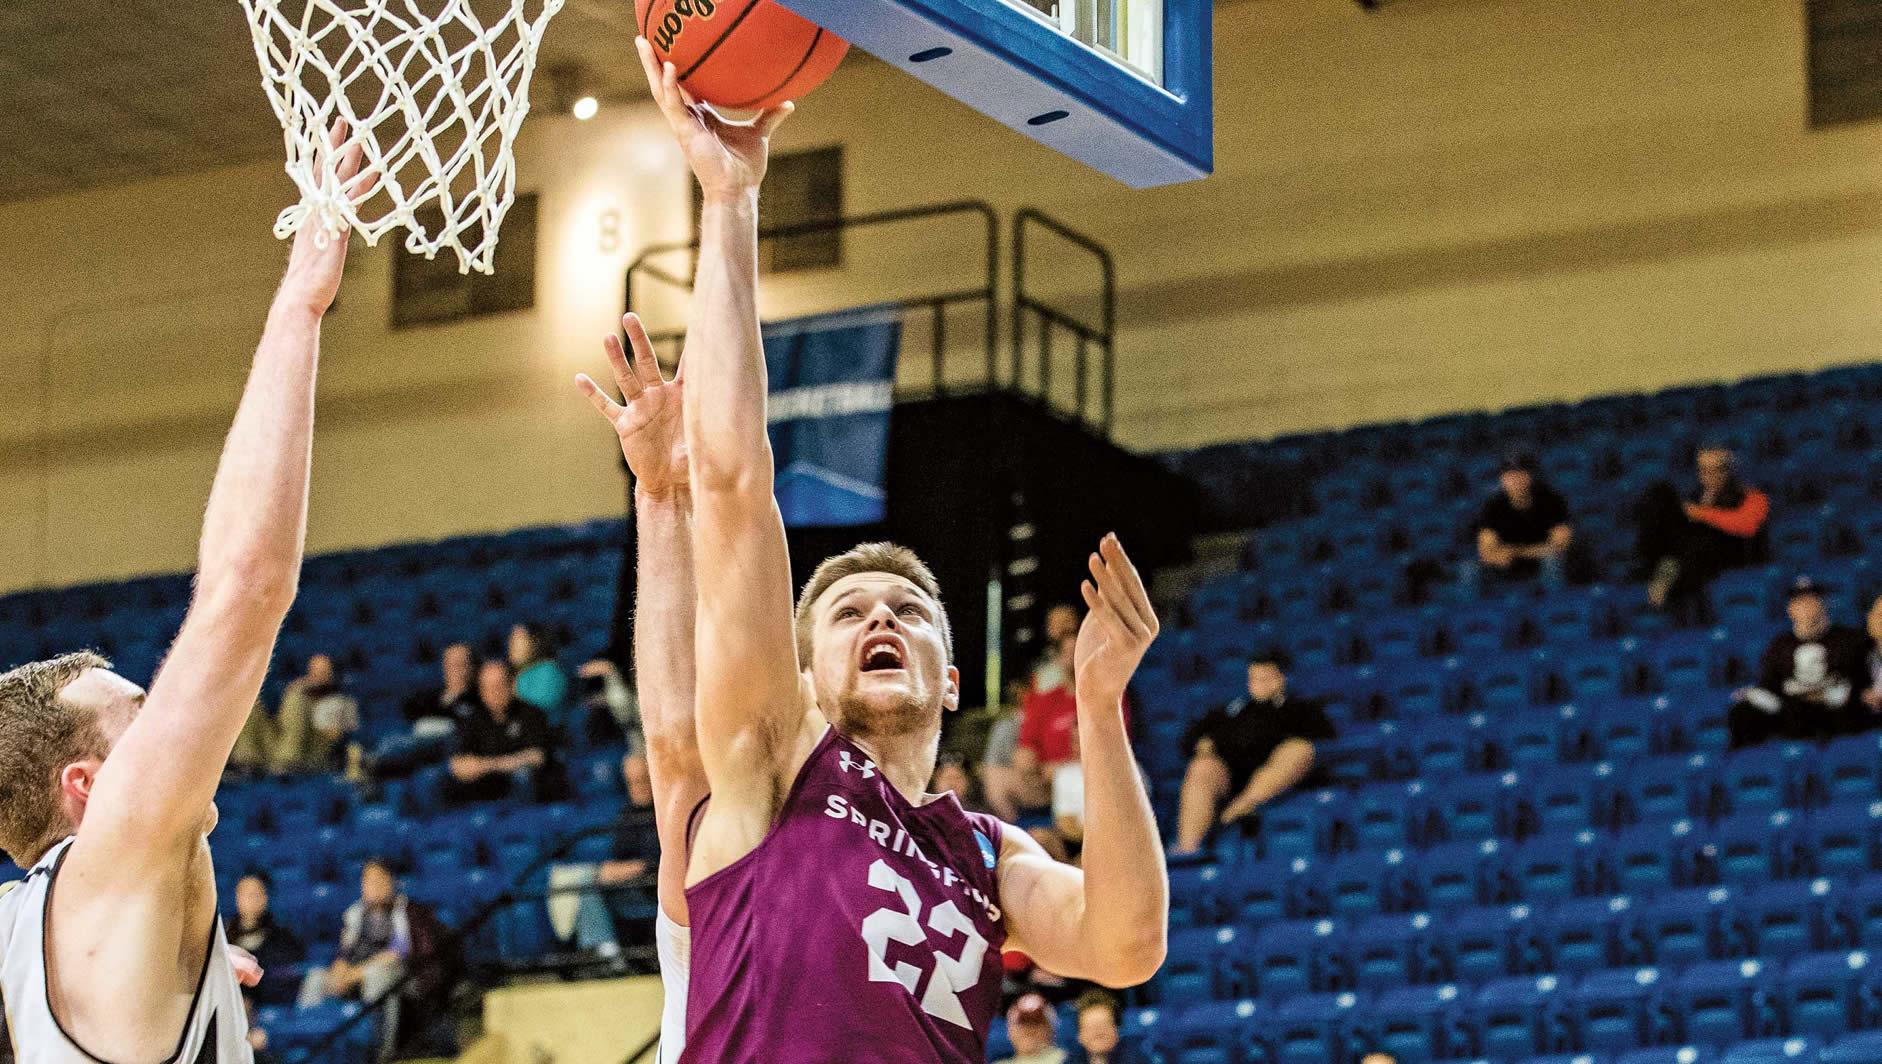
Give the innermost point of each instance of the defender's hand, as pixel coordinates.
(648, 422)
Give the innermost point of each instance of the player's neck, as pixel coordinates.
(906, 761)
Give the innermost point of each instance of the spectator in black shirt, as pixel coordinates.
(275, 948)
(1808, 680)
(435, 713)
(503, 748)
(1247, 753)
(1523, 530)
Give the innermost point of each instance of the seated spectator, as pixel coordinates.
(1006, 790)
(1098, 1015)
(504, 747)
(1523, 530)
(306, 734)
(953, 773)
(253, 928)
(383, 936)
(539, 680)
(1684, 543)
(257, 1037)
(375, 943)
(1872, 694)
(1806, 679)
(435, 714)
(1247, 753)
(610, 690)
(1033, 1026)
(592, 918)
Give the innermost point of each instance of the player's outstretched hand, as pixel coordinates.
(727, 157)
(648, 421)
(1120, 624)
(319, 257)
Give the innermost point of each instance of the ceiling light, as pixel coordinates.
(585, 108)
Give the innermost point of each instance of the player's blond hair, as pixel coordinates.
(891, 558)
(40, 734)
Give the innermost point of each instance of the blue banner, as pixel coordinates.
(832, 382)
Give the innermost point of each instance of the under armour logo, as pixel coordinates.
(869, 767)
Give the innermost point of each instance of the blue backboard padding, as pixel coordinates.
(1013, 68)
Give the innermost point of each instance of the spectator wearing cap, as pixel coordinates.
(1033, 1028)
(1247, 753)
(1684, 542)
(1523, 530)
(1807, 678)
(1098, 1014)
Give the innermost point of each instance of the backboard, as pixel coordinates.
(1121, 85)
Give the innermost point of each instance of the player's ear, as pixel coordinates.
(951, 696)
(75, 783)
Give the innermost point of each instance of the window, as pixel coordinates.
(432, 292)
(800, 188)
(1845, 80)
(1131, 30)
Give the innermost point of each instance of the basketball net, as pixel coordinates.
(433, 101)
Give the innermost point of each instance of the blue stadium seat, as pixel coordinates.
(1530, 741)
(1618, 1009)
(1312, 1028)
(1357, 885)
(1845, 770)
(1212, 1031)
(1192, 970)
(1856, 915)
(1820, 992)
(1473, 808)
(1668, 1055)
(1716, 1000)
(1651, 857)
(1553, 868)
(1392, 950)
(1413, 1023)
(1296, 957)
(1684, 926)
(1194, 895)
(1298, 825)
(1457, 875)
(1382, 816)
(1751, 848)
(1782, 920)
(1586, 934)
(1268, 890)
(1517, 1017)
(1862, 1048)
(1567, 798)
(1666, 788)
(1481, 944)
(1764, 778)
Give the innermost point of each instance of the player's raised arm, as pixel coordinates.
(750, 708)
(653, 441)
(153, 794)
(1109, 921)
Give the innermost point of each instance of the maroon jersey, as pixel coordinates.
(863, 929)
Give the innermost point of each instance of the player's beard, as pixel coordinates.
(879, 717)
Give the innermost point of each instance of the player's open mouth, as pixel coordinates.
(882, 653)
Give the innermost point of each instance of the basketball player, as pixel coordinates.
(652, 441)
(838, 911)
(110, 949)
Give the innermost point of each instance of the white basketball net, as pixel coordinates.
(432, 96)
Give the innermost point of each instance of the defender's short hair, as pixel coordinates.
(40, 734)
(890, 558)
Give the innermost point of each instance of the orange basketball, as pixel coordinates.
(740, 54)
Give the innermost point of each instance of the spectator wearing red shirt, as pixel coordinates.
(1684, 543)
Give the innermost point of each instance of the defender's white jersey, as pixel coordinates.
(216, 1031)
(675, 946)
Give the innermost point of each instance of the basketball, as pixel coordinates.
(743, 55)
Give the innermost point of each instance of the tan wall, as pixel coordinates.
(1447, 204)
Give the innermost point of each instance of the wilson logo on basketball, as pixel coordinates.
(673, 23)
